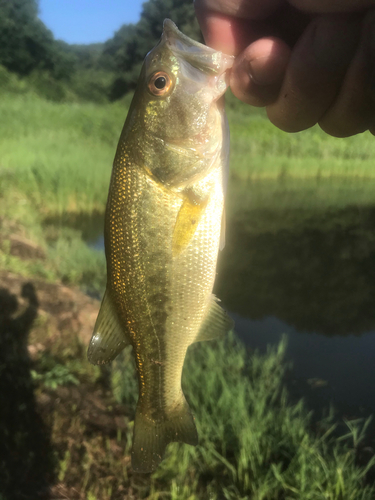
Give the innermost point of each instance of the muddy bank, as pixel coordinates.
(59, 433)
(60, 309)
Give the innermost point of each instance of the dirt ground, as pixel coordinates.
(63, 442)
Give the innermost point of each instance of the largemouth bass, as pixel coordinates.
(163, 228)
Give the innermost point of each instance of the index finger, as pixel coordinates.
(231, 25)
(248, 9)
(230, 35)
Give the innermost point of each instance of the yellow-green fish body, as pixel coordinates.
(163, 229)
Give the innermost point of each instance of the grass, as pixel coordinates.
(68, 260)
(254, 443)
(59, 155)
(67, 256)
(261, 151)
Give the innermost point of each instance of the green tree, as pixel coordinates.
(127, 49)
(25, 42)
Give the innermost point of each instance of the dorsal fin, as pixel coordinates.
(216, 324)
(109, 338)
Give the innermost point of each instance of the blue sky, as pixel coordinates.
(87, 21)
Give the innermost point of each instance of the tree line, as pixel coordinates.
(27, 47)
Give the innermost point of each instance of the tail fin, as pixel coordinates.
(151, 437)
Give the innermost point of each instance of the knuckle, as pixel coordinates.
(342, 126)
(369, 17)
(285, 121)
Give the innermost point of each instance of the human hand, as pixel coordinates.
(307, 61)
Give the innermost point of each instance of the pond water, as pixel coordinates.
(300, 260)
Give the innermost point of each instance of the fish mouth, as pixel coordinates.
(197, 54)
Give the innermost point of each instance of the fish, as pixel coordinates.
(164, 225)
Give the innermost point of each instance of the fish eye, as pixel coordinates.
(160, 83)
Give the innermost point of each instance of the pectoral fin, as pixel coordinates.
(216, 324)
(188, 218)
(109, 338)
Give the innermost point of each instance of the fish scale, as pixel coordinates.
(133, 291)
(163, 229)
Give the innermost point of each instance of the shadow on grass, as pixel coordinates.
(26, 465)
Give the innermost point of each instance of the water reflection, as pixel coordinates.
(317, 273)
(302, 261)
(90, 226)
(325, 369)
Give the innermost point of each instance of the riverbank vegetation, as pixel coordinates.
(59, 155)
(60, 124)
(266, 448)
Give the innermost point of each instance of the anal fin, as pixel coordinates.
(109, 338)
(216, 324)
